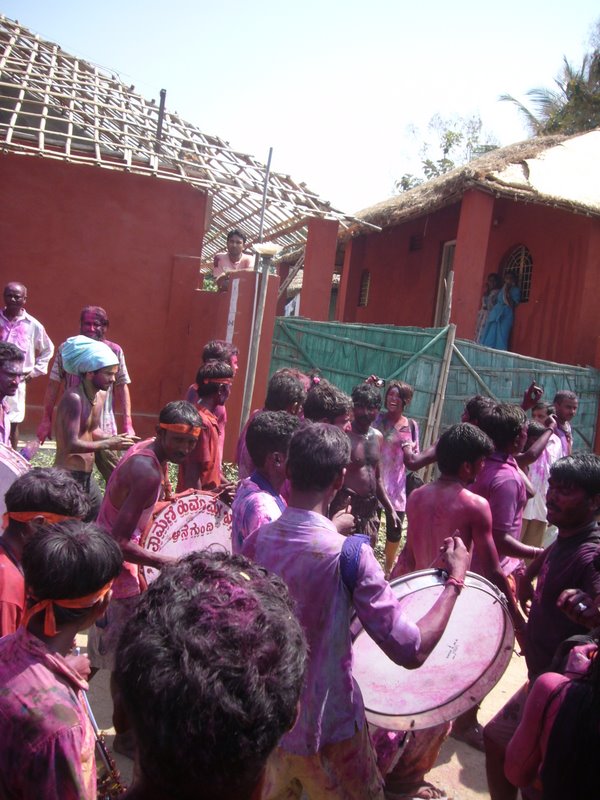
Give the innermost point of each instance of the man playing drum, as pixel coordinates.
(78, 419)
(328, 753)
(138, 482)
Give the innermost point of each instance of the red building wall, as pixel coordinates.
(78, 235)
(404, 283)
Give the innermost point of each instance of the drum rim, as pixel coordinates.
(447, 710)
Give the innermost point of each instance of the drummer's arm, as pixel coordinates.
(143, 479)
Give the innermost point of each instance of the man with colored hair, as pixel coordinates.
(93, 323)
(11, 377)
(29, 335)
(47, 739)
(213, 649)
(40, 497)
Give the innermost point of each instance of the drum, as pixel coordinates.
(12, 466)
(466, 664)
(190, 521)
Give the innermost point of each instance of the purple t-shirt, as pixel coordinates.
(501, 484)
(252, 507)
(569, 564)
(303, 548)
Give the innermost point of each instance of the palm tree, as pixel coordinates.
(573, 107)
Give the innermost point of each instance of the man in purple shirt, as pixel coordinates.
(328, 751)
(46, 739)
(258, 499)
(501, 483)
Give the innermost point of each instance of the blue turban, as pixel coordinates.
(80, 354)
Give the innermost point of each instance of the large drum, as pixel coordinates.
(190, 521)
(466, 664)
(12, 466)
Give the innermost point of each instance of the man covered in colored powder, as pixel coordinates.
(328, 753)
(47, 739)
(258, 499)
(29, 335)
(136, 485)
(78, 419)
(233, 260)
(93, 323)
(214, 650)
(202, 468)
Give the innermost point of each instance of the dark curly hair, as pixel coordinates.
(210, 668)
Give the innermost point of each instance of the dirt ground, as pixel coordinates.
(460, 769)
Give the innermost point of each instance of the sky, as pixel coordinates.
(341, 90)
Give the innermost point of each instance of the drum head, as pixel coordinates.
(190, 521)
(12, 466)
(467, 662)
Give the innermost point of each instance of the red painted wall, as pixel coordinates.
(319, 264)
(560, 321)
(78, 235)
(403, 283)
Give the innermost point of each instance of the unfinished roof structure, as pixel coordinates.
(558, 171)
(57, 106)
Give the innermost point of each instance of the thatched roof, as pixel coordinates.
(57, 106)
(561, 171)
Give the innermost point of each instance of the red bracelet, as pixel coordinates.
(460, 585)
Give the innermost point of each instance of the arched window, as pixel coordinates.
(519, 260)
(365, 283)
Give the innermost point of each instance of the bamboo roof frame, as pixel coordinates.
(58, 106)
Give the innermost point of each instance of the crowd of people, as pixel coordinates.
(232, 674)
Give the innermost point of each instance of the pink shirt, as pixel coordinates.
(223, 264)
(12, 594)
(393, 471)
(252, 507)
(46, 739)
(303, 548)
(501, 484)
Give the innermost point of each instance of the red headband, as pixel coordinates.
(27, 516)
(88, 601)
(180, 428)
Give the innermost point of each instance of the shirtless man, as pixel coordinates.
(445, 508)
(78, 432)
(233, 260)
(363, 488)
(93, 323)
(137, 483)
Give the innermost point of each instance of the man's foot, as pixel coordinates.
(471, 735)
(420, 790)
(124, 743)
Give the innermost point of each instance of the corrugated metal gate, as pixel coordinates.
(444, 371)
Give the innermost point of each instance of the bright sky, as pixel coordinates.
(334, 86)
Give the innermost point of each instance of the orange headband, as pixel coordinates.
(218, 380)
(88, 601)
(27, 516)
(180, 428)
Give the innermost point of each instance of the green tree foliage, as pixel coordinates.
(574, 105)
(449, 143)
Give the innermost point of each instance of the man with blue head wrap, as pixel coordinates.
(78, 432)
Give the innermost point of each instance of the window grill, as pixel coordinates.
(520, 261)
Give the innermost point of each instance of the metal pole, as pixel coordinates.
(259, 308)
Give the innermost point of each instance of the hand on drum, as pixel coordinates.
(226, 492)
(579, 607)
(120, 442)
(455, 557)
